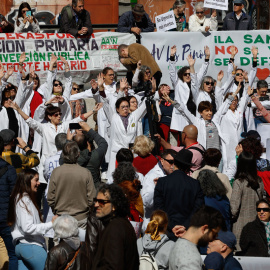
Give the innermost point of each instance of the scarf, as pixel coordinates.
(125, 120)
(73, 242)
(267, 230)
(200, 21)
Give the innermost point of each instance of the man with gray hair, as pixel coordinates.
(71, 189)
(70, 251)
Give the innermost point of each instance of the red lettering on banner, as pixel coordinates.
(46, 65)
(10, 36)
(69, 36)
(30, 64)
(229, 49)
(49, 34)
(37, 66)
(30, 36)
(83, 65)
(40, 36)
(60, 66)
(19, 35)
(61, 35)
(73, 65)
(217, 50)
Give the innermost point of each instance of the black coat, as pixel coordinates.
(72, 27)
(253, 240)
(117, 247)
(179, 196)
(7, 182)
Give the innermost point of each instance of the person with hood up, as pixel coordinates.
(156, 241)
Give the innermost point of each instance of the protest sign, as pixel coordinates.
(165, 22)
(216, 4)
(219, 43)
(83, 55)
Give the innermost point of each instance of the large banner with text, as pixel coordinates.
(84, 55)
(193, 43)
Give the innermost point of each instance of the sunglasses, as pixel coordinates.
(76, 89)
(239, 74)
(208, 83)
(237, 4)
(57, 114)
(171, 161)
(147, 72)
(23, 79)
(56, 84)
(263, 209)
(101, 202)
(199, 12)
(24, 11)
(186, 74)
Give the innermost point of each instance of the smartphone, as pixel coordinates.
(28, 13)
(74, 126)
(264, 98)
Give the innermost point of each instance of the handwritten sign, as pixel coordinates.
(165, 22)
(216, 4)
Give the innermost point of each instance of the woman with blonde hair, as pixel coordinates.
(155, 241)
(145, 161)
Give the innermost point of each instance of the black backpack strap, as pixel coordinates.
(197, 149)
(156, 251)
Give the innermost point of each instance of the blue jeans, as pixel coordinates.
(259, 120)
(30, 256)
(6, 235)
(145, 123)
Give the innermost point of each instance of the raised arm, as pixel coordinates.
(68, 83)
(172, 68)
(135, 79)
(253, 70)
(261, 108)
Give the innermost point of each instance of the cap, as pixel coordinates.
(239, 2)
(227, 238)
(251, 133)
(138, 9)
(214, 261)
(7, 135)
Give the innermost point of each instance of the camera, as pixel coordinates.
(144, 86)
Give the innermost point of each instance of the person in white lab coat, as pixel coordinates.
(210, 134)
(184, 88)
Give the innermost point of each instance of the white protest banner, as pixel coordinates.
(216, 4)
(165, 21)
(193, 43)
(83, 55)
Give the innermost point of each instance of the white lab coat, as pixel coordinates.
(48, 132)
(200, 124)
(119, 137)
(147, 192)
(232, 126)
(181, 94)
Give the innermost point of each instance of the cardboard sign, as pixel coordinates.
(165, 22)
(216, 4)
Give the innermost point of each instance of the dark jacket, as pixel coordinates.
(7, 181)
(117, 248)
(230, 263)
(92, 160)
(179, 196)
(245, 22)
(127, 21)
(72, 27)
(253, 240)
(60, 255)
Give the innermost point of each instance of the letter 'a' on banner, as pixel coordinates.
(165, 21)
(216, 4)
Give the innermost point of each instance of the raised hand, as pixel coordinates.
(173, 50)
(245, 75)
(139, 64)
(254, 51)
(22, 57)
(239, 149)
(84, 126)
(207, 52)
(123, 84)
(69, 135)
(233, 51)
(100, 80)
(154, 85)
(94, 84)
(190, 60)
(53, 59)
(220, 75)
(2, 73)
(10, 70)
(31, 74)
(250, 90)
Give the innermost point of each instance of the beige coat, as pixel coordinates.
(243, 205)
(138, 52)
(223, 178)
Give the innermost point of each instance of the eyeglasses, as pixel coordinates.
(24, 11)
(56, 84)
(263, 209)
(111, 75)
(171, 161)
(208, 83)
(57, 114)
(101, 202)
(239, 74)
(125, 106)
(199, 12)
(76, 89)
(186, 74)
(23, 79)
(237, 4)
(147, 72)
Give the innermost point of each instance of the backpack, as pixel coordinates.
(67, 9)
(147, 261)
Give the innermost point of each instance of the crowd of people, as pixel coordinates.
(165, 176)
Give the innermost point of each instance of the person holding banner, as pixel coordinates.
(198, 21)
(26, 21)
(238, 19)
